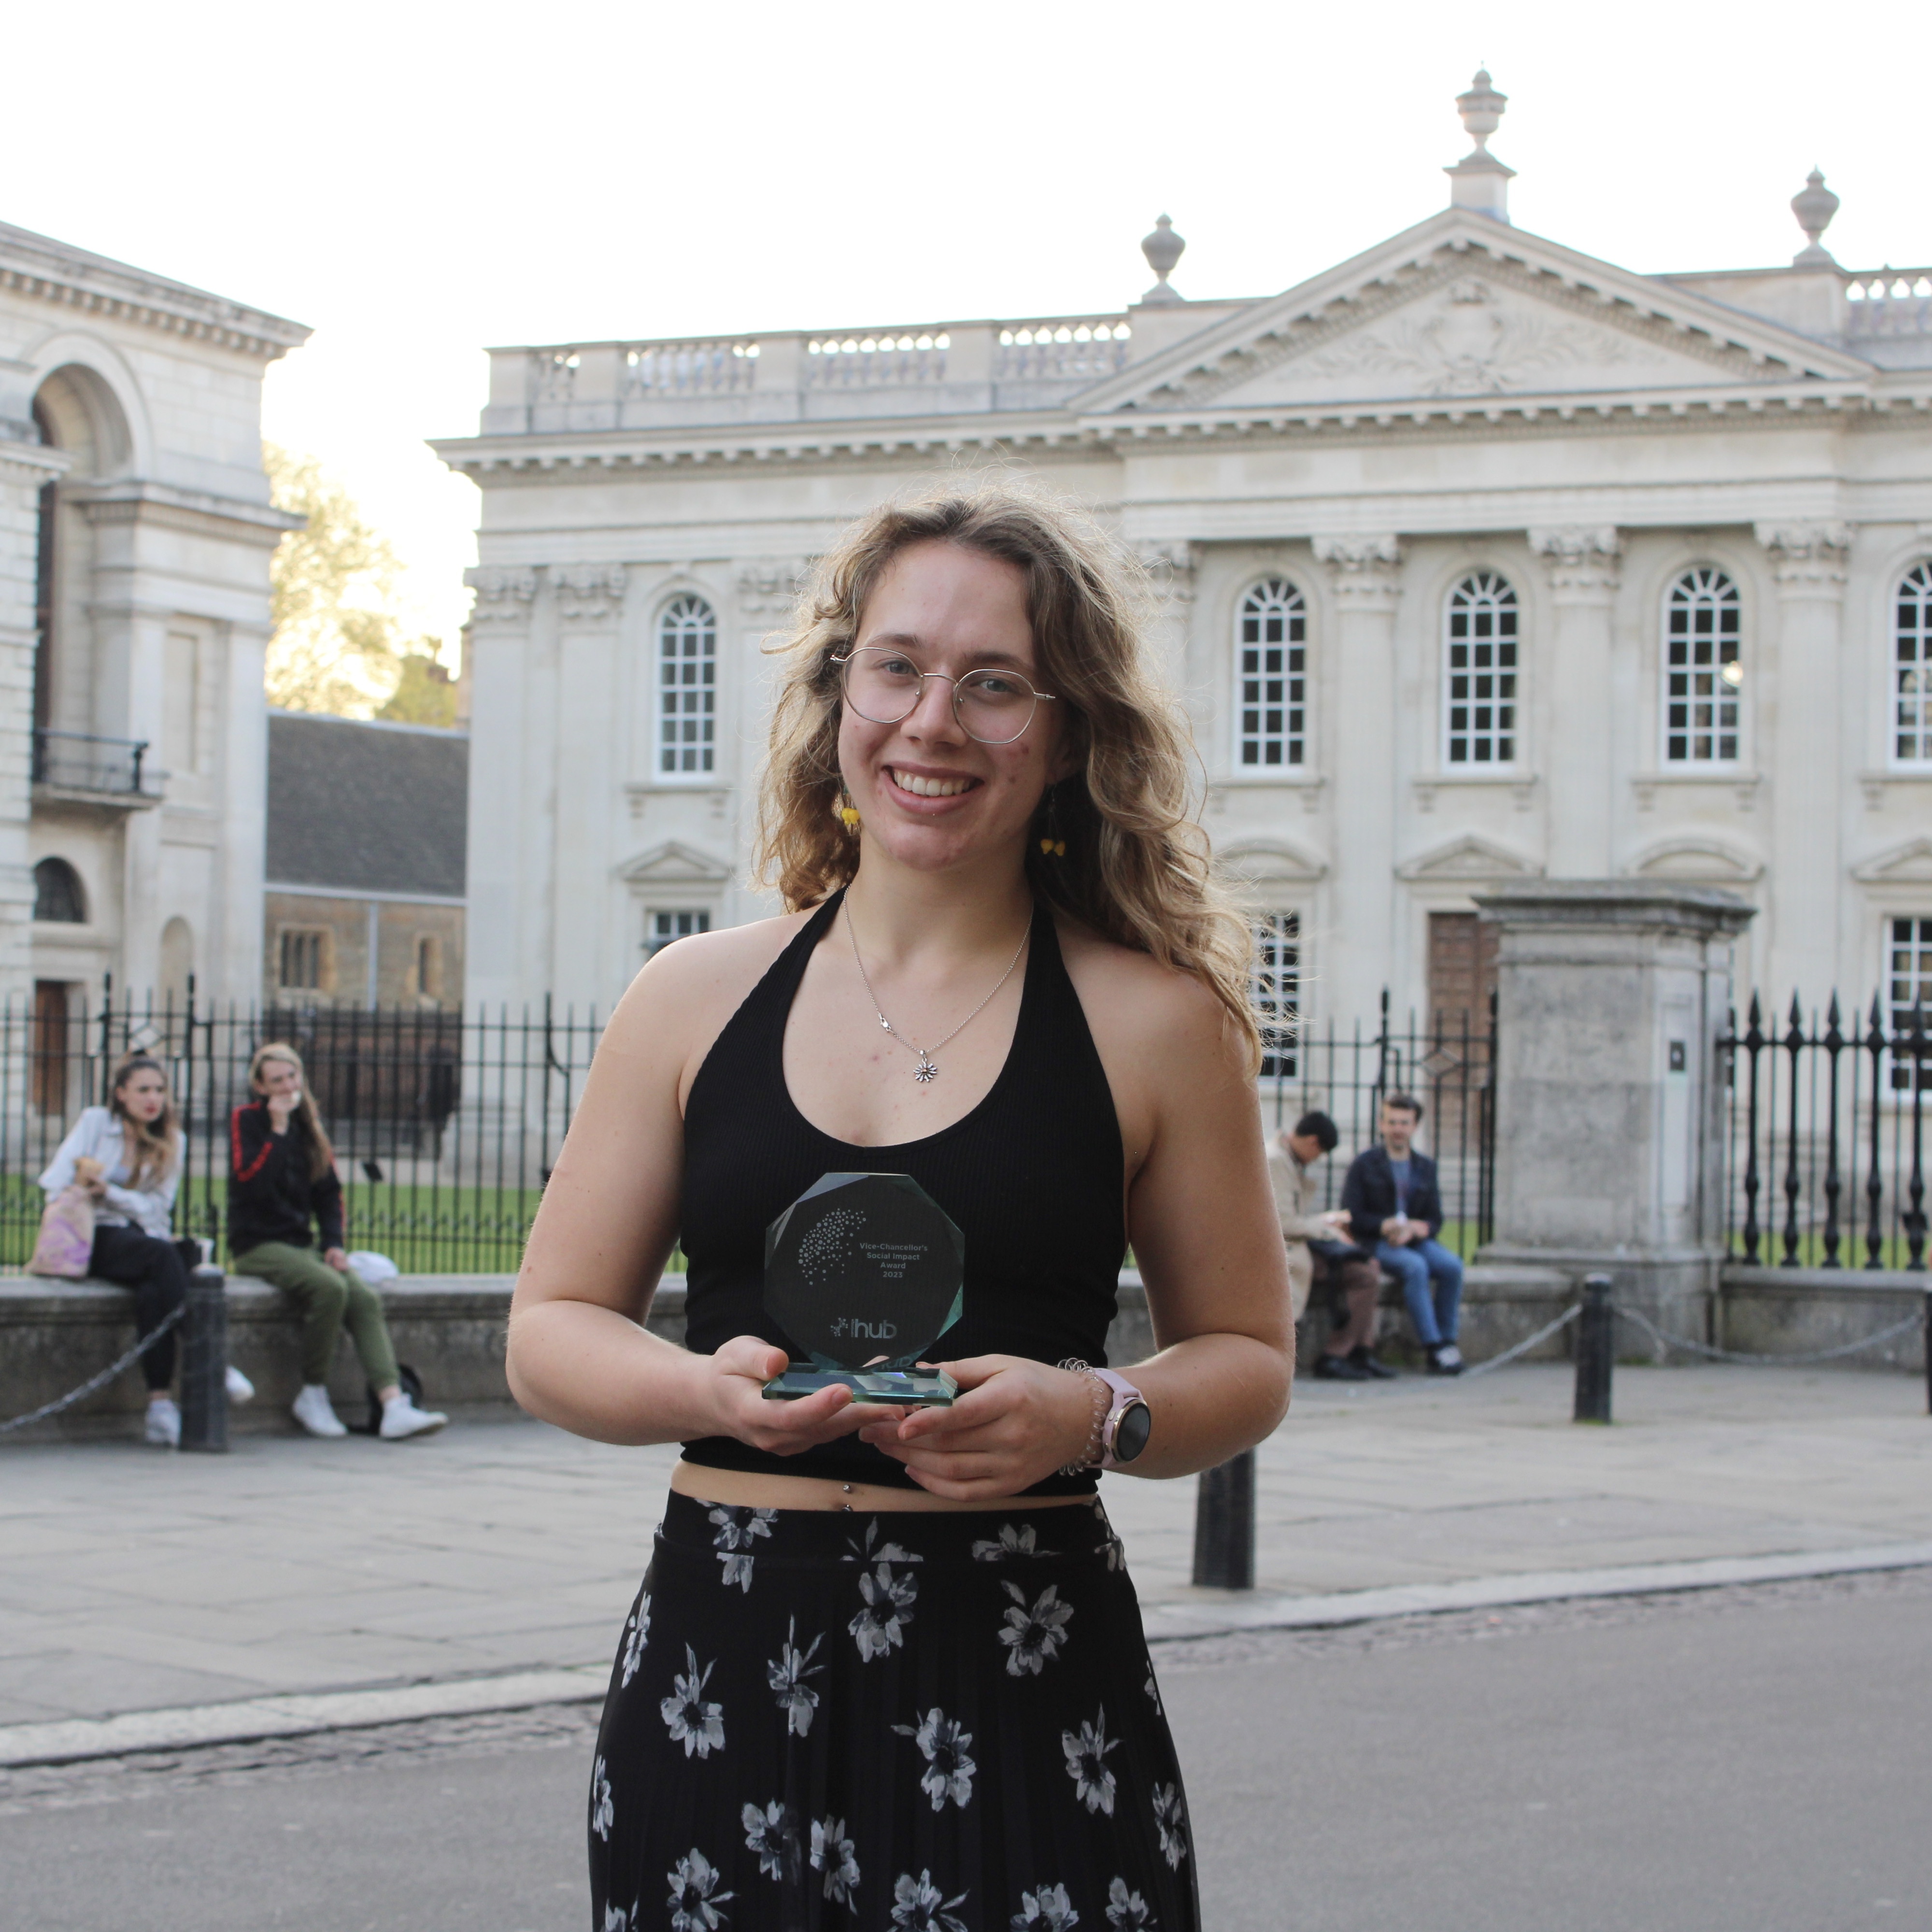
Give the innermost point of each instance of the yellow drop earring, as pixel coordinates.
(1051, 844)
(847, 812)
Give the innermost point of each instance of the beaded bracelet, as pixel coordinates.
(1091, 1457)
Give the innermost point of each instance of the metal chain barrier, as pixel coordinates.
(100, 1381)
(1657, 1335)
(1523, 1348)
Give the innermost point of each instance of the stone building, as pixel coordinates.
(1483, 561)
(363, 905)
(136, 532)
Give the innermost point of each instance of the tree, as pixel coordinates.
(425, 693)
(338, 644)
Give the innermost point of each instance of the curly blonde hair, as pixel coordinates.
(1137, 869)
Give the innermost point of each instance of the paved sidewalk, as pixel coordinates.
(131, 1580)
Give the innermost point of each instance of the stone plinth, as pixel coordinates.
(1611, 995)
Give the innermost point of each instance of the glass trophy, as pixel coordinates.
(864, 1273)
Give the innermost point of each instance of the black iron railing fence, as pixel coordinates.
(445, 1125)
(1448, 1063)
(1824, 1157)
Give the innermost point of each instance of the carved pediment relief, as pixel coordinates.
(674, 864)
(1257, 861)
(1708, 861)
(1910, 864)
(1469, 857)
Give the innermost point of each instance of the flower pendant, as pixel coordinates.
(925, 1073)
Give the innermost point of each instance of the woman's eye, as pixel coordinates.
(990, 684)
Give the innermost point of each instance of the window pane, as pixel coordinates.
(1271, 675)
(1702, 617)
(687, 685)
(1912, 668)
(1479, 664)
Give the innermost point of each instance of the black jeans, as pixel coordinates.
(157, 1271)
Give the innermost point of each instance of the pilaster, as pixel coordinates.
(1358, 936)
(1172, 566)
(1805, 757)
(1575, 683)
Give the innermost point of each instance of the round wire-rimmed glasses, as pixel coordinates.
(884, 686)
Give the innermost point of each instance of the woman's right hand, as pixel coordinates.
(736, 1375)
(280, 1106)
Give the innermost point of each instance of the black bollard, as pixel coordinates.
(1596, 1350)
(204, 1380)
(1224, 1525)
(1928, 1351)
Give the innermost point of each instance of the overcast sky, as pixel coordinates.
(417, 181)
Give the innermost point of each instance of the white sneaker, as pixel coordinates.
(402, 1419)
(240, 1388)
(163, 1429)
(312, 1409)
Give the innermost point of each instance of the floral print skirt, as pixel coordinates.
(904, 1722)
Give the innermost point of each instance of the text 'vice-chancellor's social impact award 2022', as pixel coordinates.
(864, 1273)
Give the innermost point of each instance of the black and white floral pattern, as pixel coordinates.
(738, 1529)
(694, 1896)
(832, 1854)
(949, 1770)
(1170, 1819)
(772, 1835)
(698, 1726)
(880, 1627)
(1014, 1539)
(616, 1920)
(919, 1906)
(637, 1634)
(1032, 1636)
(787, 1672)
(1086, 1750)
(1153, 1692)
(1048, 1909)
(1126, 1910)
(603, 1812)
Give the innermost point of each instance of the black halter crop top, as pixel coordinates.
(1032, 1177)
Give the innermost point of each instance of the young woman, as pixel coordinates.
(885, 1669)
(134, 1144)
(282, 1189)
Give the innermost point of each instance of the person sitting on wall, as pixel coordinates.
(283, 1186)
(1395, 1210)
(1314, 1239)
(128, 1156)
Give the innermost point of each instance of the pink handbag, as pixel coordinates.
(66, 1235)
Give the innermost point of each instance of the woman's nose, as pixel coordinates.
(933, 716)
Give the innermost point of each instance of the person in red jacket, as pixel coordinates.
(283, 1189)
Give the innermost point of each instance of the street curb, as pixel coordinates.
(1223, 1613)
(188, 1726)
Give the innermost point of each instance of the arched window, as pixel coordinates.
(1479, 671)
(1702, 672)
(687, 687)
(58, 898)
(1271, 692)
(1912, 668)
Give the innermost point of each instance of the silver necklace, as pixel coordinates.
(927, 1068)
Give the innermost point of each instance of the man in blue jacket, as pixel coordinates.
(1395, 1211)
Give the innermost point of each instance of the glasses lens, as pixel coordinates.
(995, 706)
(882, 685)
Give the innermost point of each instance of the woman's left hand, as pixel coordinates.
(336, 1258)
(1015, 1422)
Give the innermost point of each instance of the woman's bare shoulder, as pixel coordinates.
(683, 997)
(1144, 1015)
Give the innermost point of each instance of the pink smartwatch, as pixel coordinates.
(1125, 1428)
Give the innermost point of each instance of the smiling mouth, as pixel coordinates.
(921, 787)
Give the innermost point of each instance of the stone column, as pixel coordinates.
(1360, 932)
(1612, 996)
(24, 468)
(500, 916)
(1796, 742)
(588, 726)
(1573, 683)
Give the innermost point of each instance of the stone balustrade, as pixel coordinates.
(1889, 301)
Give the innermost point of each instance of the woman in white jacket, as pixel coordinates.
(135, 1142)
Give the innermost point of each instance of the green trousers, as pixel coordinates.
(331, 1300)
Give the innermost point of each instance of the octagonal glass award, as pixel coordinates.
(864, 1273)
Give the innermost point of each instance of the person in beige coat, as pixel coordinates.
(1313, 1234)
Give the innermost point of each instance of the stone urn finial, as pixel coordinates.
(1481, 110)
(1162, 249)
(1814, 207)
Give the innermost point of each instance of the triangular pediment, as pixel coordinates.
(1268, 861)
(1910, 864)
(1462, 305)
(1469, 857)
(1708, 860)
(674, 864)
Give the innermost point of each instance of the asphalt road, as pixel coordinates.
(1738, 1761)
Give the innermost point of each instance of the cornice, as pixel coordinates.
(1858, 406)
(199, 512)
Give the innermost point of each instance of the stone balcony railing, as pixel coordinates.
(939, 368)
(1889, 301)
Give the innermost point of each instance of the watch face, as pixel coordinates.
(1131, 1432)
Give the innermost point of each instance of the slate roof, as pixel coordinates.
(367, 807)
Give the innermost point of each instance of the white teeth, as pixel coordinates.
(925, 788)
